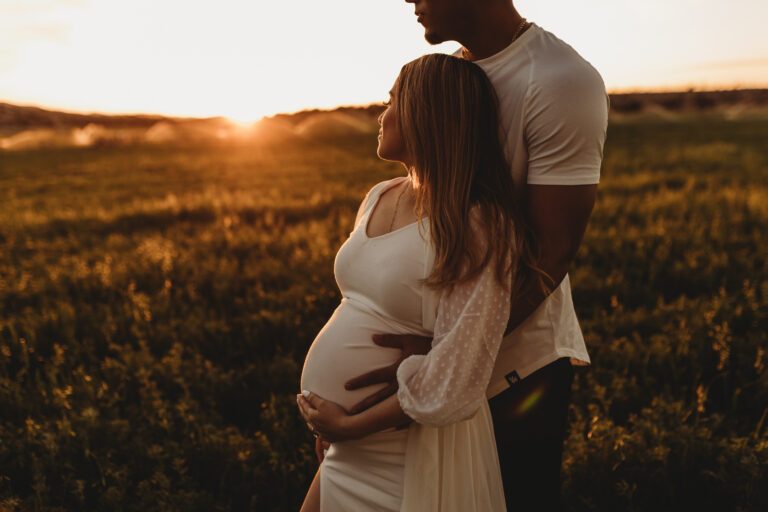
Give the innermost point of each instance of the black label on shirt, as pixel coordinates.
(512, 377)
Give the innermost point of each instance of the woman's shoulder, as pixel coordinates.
(383, 185)
(380, 187)
(370, 196)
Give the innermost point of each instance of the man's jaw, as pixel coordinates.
(430, 36)
(433, 37)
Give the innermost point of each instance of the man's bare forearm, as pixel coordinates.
(525, 303)
(558, 216)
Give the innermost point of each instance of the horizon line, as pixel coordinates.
(610, 91)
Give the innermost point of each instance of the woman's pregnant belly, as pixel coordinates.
(343, 349)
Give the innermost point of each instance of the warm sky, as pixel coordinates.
(248, 58)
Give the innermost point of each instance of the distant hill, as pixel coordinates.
(24, 127)
(24, 116)
(370, 112)
(688, 100)
(16, 115)
(621, 103)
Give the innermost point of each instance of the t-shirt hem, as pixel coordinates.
(499, 385)
(562, 180)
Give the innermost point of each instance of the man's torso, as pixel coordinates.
(533, 79)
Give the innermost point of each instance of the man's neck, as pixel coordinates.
(491, 32)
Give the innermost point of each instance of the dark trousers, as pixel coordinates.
(530, 420)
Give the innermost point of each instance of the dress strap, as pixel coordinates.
(378, 189)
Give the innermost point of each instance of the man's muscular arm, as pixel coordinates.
(558, 216)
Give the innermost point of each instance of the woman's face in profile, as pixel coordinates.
(391, 145)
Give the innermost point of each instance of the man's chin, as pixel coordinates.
(434, 37)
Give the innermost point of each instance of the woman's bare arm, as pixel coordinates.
(312, 499)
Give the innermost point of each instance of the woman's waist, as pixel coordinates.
(393, 439)
(408, 321)
(344, 349)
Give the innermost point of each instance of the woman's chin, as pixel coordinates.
(387, 155)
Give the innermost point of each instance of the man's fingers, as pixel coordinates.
(417, 345)
(389, 340)
(386, 374)
(375, 398)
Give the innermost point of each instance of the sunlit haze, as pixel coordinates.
(245, 59)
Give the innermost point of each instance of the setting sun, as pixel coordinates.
(244, 60)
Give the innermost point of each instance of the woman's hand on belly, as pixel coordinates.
(333, 423)
(328, 419)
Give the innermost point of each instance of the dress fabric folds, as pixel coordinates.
(446, 460)
(364, 474)
(453, 468)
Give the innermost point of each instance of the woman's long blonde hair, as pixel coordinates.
(448, 118)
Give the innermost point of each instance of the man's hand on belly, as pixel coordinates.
(408, 344)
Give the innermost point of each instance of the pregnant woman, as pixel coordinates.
(437, 253)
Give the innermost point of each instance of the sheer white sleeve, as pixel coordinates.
(449, 383)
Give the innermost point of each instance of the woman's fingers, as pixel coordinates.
(315, 401)
(323, 417)
(306, 409)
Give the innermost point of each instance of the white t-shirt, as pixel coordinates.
(554, 113)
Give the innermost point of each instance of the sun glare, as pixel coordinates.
(242, 123)
(244, 60)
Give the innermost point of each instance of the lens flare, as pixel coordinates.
(530, 401)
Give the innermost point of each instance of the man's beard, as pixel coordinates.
(434, 38)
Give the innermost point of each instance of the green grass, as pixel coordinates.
(156, 304)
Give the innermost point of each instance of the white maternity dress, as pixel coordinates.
(446, 460)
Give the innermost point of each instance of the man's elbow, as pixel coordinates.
(556, 259)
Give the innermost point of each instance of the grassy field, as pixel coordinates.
(156, 303)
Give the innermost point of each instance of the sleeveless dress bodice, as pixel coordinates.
(380, 283)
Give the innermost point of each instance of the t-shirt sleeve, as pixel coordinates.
(566, 118)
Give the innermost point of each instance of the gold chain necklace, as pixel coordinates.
(397, 204)
(467, 55)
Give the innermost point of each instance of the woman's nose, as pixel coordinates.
(379, 119)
